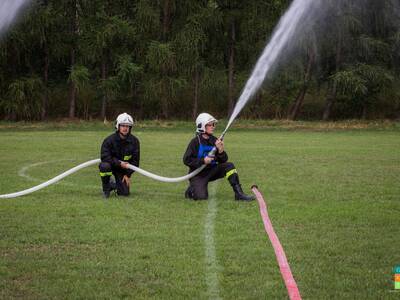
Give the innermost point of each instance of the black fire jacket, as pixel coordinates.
(198, 149)
(114, 149)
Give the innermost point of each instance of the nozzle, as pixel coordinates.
(212, 152)
(222, 136)
(214, 149)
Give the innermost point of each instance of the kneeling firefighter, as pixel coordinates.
(217, 167)
(117, 151)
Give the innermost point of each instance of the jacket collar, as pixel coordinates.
(128, 138)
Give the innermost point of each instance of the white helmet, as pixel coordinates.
(202, 120)
(124, 119)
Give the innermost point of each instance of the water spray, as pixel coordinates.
(9, 10)
(291, 24)
(293, 21)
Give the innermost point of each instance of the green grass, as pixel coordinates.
(240, 124)
(333, 197)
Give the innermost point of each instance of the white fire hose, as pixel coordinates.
(96, 161)
(93, 162)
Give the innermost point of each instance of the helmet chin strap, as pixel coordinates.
(205, 132)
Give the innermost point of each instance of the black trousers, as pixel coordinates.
(199, 183)
(106, 170)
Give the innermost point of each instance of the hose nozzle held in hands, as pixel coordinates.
(212, 152)
(214, 149)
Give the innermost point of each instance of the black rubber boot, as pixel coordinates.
(108, 186)
(237, 188)
(189, 193)
(113, 185)
(240, 195)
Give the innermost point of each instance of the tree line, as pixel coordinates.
(173, 59)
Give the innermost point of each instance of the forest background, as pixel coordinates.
(170, 59)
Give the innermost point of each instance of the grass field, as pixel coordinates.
(333, 198)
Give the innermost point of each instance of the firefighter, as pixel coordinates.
(217, 167)
(117, 151)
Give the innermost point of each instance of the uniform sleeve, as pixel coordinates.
(190, 158)
(106, 154)
(135, 159)
(221, 157)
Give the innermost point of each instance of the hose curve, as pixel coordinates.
(95, 161)
(166, 179)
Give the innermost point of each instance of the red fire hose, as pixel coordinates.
(287, 275)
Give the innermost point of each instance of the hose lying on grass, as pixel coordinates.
(93, 162)
(284, 267)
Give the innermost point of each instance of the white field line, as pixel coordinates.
(23, 173)
(212, 267)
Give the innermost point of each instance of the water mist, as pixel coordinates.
(9, 10)
(291, 26)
